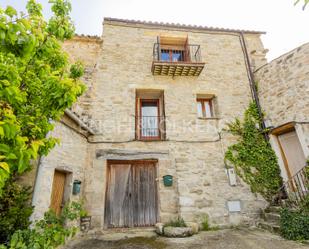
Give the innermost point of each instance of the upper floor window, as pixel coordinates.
(205, 107)
(150, 121)
(150, 118)
(172, 55)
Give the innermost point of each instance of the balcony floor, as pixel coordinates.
(177, 68)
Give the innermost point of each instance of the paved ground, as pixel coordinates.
(222, 239)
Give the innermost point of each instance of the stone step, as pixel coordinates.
(269, 226)
(272, 217)
(273, 209)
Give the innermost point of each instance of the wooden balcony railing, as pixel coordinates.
(177, 62)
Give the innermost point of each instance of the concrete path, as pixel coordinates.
(222, 239)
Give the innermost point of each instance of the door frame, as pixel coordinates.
(274, 140)
(136, 161)
(63, 199)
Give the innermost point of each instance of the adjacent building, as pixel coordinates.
(284, 95)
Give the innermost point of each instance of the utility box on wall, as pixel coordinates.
(234, 206)
(232, 176)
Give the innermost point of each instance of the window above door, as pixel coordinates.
(150, 119)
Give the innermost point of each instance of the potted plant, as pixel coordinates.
(85, 221)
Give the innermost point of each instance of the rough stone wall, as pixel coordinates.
(69, 156)
(195, 152)
(283, 91)
(284, 87)
(256, 51)
(85, 49)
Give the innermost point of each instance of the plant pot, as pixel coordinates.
(85, 223)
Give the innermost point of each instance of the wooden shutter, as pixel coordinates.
(159, 48)
(187, 50)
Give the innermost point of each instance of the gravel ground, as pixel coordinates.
(222, 239)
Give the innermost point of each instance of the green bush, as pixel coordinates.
(205, 226)
(48, 233)
(15, 210)
(178, 222)
(205, 223)
(294, 224)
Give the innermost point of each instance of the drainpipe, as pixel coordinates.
(254, 92)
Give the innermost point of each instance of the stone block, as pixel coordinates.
(159, 228)
(194, 226)
(186, 201)
(178, 232)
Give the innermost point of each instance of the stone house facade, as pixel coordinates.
(146, 142)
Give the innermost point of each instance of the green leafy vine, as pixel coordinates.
(252, 156)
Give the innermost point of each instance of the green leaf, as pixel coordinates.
(37, 82)
(5, 166)
(10, 11)
(1, 132)
(11, 156)
(4, 148)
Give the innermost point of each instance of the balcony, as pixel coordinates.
(177, 60)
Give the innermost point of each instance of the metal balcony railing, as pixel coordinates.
(295, 190)
(190, 54)
(150, 127)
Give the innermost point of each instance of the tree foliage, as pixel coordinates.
(15, 209)
(304, 1)
(37, 83)
(49, 232)
(252, 156)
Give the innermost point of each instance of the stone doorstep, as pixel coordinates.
(273, 209)
(113, 234)
(269, 226)
(272, 217)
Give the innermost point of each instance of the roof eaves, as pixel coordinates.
(181, 26)
(87, 37)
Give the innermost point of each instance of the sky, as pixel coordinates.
(287, 26)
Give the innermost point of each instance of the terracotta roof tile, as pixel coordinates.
(181, 26)
(83, 36)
